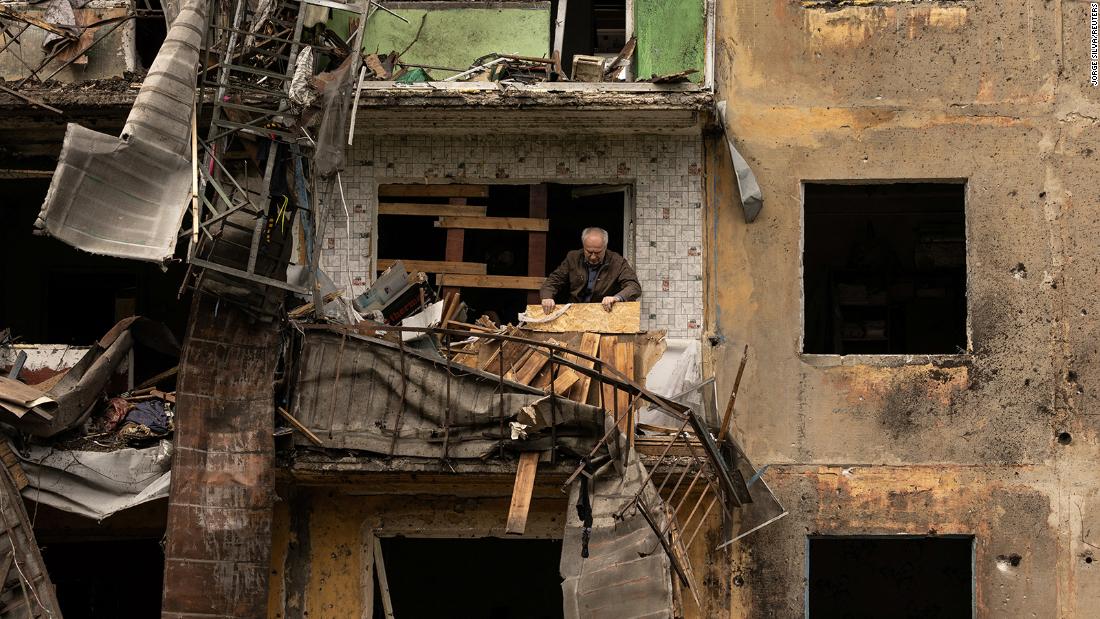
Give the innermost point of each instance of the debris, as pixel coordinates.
(588, 68)
(752, 200)
(673, 78)
(299, 427)
(94, 201)
(619, 63)
(521, 493)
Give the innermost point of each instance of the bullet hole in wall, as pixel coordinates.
(1065, 438)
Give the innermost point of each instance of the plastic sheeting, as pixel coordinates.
(752, 200)
(97, 484)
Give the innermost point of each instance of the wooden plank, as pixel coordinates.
(568, 377)
(300, 427)
(531, 367)
(619, 353)
(430, 210)
(366, 581)
(590, 345)
(521, 224)
(624, 362)
(383, 580)
(456, 246)
(435, 266)
(447, 190)
(521, 493)
(624, 317)
(507, 282)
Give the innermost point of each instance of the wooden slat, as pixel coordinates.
(435, 266)
(591, 347)
(366, 582)
(624, 362)
(521, 493)
(522, 224)
(299, 426)
(619, 353)
(568, 377)
(530, 368)
(383, 580)
(513, 282)
(430, 210)
(434, 191)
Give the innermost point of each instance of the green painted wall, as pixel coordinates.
(671, 37)
(456, 37)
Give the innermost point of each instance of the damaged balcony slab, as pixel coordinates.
(424, 473)
(533, 109)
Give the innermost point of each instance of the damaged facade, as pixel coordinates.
(857, 218)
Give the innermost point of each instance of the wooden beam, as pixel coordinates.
(436, 266)
(520, 224)
(456, 246)
(507, 282)
(537, 208)
(521, 493)
(383, 580)
(624, 362)
(300, 427)
(366, 580)
(430, 210)
(448, 190)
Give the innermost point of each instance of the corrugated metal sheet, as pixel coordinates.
(354, 391)
(125, 196)
(627, 573)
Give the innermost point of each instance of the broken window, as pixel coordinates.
(106, 579)
(884, 268)
(481, 578)
(57, 294)
(592, 28)
(494, 243)
(910, 576)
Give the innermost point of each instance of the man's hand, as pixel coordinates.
(608, 302)
(547, 306)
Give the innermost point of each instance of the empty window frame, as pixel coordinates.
(472, 578)
(884, 268)
(897, 576)
(592, 28)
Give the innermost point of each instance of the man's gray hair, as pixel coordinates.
(599, 231)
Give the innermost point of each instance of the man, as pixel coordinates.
(591, 275)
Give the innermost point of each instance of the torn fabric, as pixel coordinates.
(97, 484)
(752, 200)
(126, 196)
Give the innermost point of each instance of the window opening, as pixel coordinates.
(884, 269)
(480, 578)
(891, 577)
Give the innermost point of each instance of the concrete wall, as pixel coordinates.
(994, 93)
(666, 172)
(671, 37)
(318, 533)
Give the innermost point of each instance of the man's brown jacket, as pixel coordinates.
(568, 282)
